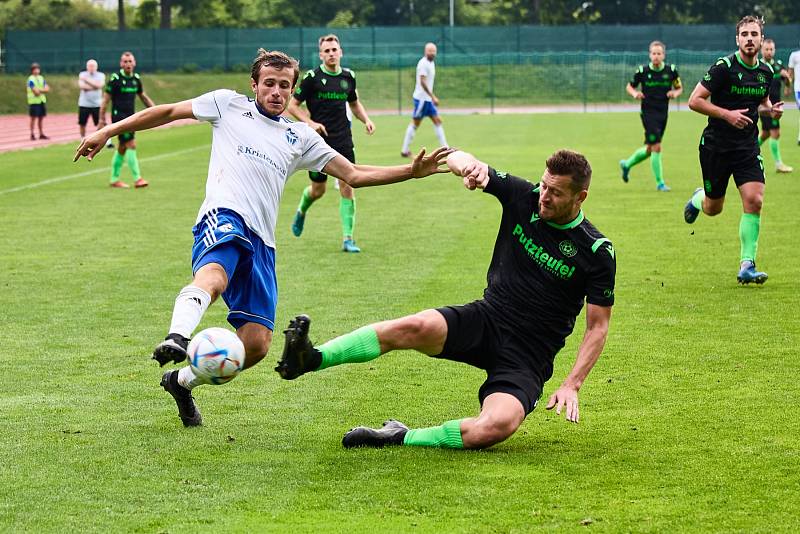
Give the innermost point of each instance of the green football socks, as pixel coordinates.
(697, 199)
(658, 170)
(359, 346)
(446, 436)
(775, 148)
(133, 163)
(305, 200)
(347, 213)
(638, 156)
(749, 226)
(116, 166)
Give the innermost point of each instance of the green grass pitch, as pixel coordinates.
(690, 420)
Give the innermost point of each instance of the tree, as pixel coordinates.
(121, 15)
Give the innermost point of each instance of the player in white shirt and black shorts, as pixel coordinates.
(254, 151)
(425, 101)
(794, 70)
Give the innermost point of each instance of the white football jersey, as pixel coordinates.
(794, 63)
(428, 69)
(252, 157)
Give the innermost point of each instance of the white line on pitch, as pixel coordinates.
(95, 171)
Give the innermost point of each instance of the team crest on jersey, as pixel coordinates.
(761, 78)
(291, 137)
(568, 248)
(344, 85)
(707, 77)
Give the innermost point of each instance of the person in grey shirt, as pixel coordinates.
(91, 83)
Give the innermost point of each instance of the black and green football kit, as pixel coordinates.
(123, 90)
(326, 95)
(775, 89)
(724, 149)
(655, 84)
(538, 279)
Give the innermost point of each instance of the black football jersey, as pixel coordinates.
(541, 273)
(326, 96)
(655, 86)
(735, 85)
(123, 90)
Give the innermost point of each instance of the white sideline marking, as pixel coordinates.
(95, 171)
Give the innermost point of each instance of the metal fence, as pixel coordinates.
(365, 48)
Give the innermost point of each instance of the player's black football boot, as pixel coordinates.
(299, 355)
(392, 433)
(172, 349)
(187, 409)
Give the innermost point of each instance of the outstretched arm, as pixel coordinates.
(594, 339)
(144, 120)
(368, 175)
(474, 172)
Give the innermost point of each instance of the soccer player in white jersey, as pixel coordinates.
(253, 152)
(425, 101)
(794, 70)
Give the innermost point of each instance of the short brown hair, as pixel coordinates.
(329, 37)
(657, 43)
(274, 59)
(767, 41)
(750, 19)
(568, 163)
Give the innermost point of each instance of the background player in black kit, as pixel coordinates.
(548, 259)
(733, 93)
(659, 82)
(771, 128)
(122, 88)
(325, 91)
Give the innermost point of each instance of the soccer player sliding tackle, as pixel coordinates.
(548, 260)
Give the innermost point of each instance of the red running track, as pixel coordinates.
(15, 131)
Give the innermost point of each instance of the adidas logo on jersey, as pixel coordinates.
(248, 114)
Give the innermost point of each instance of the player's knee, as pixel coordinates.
(753, 204)
(212, 278)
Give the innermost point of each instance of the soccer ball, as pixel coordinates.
(216, 354)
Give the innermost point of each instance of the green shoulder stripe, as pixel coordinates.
(309, 73)
(599, 242)
(640, 69)
(725, 60)
(353, 74)
(768, 66)
(672, 66)
(136, 75)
